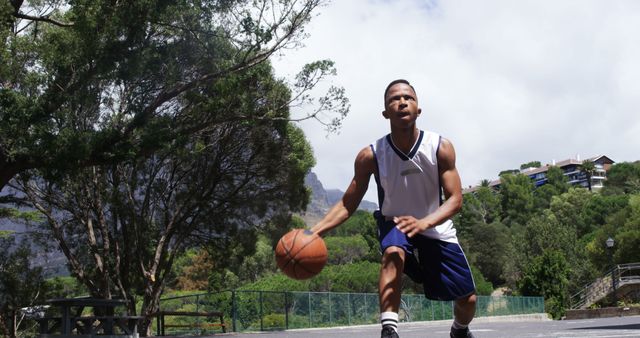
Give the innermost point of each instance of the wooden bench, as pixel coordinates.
(48, 324)
(161, 324)
(127, 325)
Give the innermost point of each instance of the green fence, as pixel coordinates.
(273, 310)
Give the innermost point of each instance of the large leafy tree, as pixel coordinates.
(588, 168)
(624, 227)
(548, 275)
(121, 226)
(516, 198)
(362, 223)
(481, 206)
(490, 259)
(623, 178)
(556, 184)
(92, 82)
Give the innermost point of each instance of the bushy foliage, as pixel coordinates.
(552, 233)
(21, 285)
(548, 276)
(358, 277)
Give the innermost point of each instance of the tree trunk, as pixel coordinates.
(150, 305)
(14, 329)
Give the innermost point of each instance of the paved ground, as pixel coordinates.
(529, 327)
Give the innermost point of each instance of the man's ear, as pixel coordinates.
(384, 113)
(419, 111)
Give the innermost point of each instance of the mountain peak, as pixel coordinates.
(323, 199)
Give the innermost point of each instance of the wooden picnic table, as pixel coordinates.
(72, 323)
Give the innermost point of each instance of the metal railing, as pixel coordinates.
(254, 310)
(622, 274)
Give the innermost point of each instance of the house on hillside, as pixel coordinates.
(571, 169)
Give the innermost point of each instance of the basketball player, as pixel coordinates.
(419, 190)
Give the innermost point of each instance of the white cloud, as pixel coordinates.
(506, 81)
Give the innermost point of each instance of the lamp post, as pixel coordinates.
(610, 242)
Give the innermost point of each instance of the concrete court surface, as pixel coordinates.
(491, 327)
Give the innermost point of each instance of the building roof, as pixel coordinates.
(600, 159)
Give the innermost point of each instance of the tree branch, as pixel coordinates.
(43, 19)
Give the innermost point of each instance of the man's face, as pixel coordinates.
(401, 105)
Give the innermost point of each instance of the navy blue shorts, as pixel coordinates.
(445, 271)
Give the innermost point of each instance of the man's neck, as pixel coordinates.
(404, 139)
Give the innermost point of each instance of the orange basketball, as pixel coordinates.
(301, 254)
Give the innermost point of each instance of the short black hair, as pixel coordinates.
(395, 82)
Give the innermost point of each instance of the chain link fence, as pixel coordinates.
(273, 310)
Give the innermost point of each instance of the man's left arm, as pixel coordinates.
(452, 188)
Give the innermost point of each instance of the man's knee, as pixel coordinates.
(393, 253)
(469, 301)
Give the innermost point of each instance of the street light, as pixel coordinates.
(610, 242)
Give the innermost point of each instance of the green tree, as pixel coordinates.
(21, 285)
(346, 250)
(195, 274)
(93, 82)
(483, 286)
(628, 237)
(364, 224)
(489, 203)
(490, 259)
(151, 124)
(623, 178)
(239, 266)
(470, 214)
(361, 277)
(545, 232)
(64, 287)
(481, 206)
(628, 246)
(548, 275)
(258, 264)
(516, 198)
(277, 282)
(602, 206)
(532, 164)
(570, 209)
(596, 249)
(555, 185)
(509, 172)
(568, 212)
(588, 168)
(122, 226)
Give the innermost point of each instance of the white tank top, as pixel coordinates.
(409, 184)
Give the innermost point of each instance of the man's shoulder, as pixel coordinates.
(381, 138)
(431, 133)
(365, 153)
(365, 159)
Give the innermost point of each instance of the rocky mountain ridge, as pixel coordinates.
(323, 199)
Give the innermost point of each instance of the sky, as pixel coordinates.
(508, 82)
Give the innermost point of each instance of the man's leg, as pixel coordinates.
(390, 282)
(464, 310)
(448, 277)
(389, 286)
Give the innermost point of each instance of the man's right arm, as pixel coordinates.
(363, 168)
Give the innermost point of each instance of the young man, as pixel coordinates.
(413, 170)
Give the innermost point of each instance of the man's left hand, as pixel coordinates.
(410, 225)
